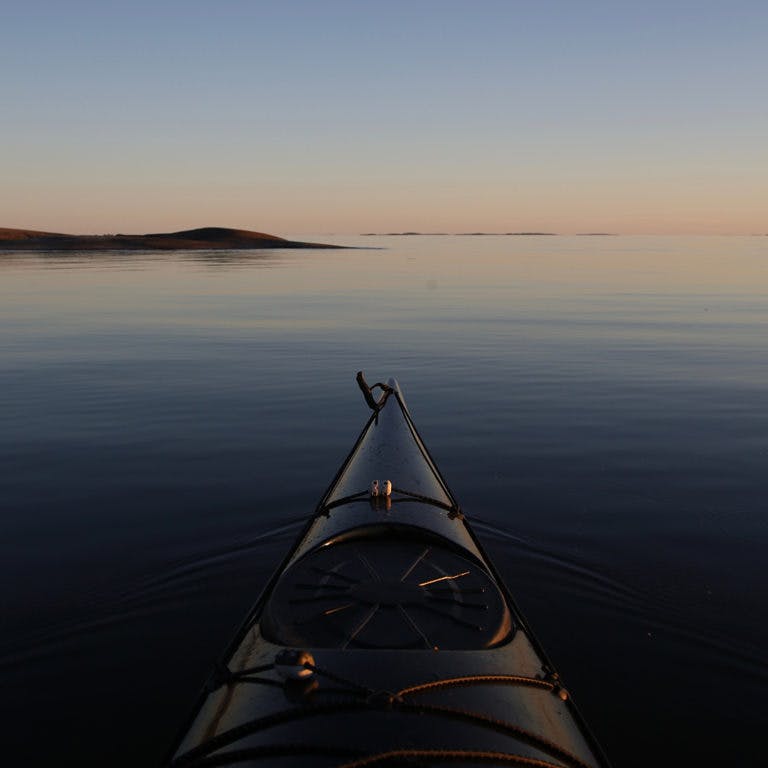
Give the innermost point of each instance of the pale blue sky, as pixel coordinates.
(561, 115)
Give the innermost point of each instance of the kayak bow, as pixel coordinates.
(386, 637)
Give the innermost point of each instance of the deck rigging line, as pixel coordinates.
(194, 757)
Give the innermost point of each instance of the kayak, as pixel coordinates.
(386, 636)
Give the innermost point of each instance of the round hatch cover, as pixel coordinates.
(386, 592)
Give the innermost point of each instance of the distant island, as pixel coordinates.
(483, 234)
(458, 234)
(205, 238)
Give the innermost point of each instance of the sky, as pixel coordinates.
(331, 116)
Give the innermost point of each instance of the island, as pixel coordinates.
(458, 234)
(204, 238)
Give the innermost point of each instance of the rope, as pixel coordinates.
(238, 732)
(280, 718)
(509, 729)
(260, 680)
(274, 750)
(450, 756)
(409, 496)
(362, 496)
(452, 508)
(531, 682)
(373, 404)
(338, 679)
(425, 450)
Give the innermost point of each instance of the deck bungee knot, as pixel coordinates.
(292, 664)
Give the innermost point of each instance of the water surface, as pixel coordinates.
(598, 404)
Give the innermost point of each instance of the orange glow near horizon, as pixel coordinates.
(573, 209)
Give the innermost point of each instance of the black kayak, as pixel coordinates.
(386, 637)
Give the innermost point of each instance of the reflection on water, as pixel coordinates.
(597, 403)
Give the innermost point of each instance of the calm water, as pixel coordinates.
(598, 404)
